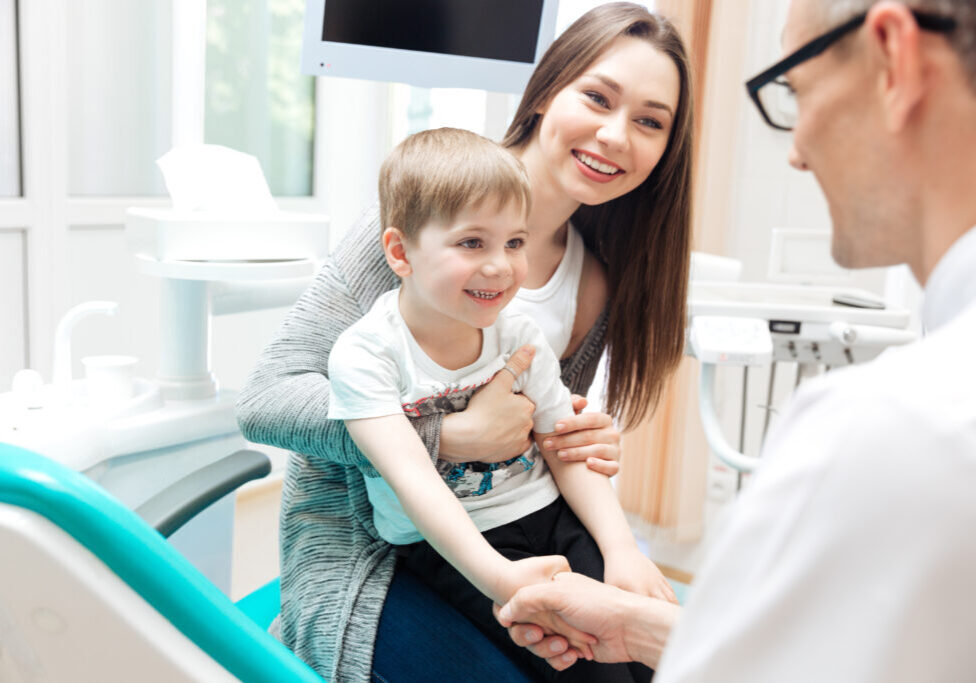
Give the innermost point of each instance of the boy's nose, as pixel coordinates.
(496, 266)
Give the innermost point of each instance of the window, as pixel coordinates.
(417, 109)
(119, 104)
(257, 100)
(9, 102)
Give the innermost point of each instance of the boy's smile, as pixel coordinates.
(463, 273)
(483, 295)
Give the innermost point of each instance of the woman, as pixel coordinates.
(604, 130)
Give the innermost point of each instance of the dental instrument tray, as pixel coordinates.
(170, 235)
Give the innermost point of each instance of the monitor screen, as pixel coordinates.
(487, 44)
(494, 29)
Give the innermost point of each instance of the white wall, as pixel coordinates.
(768, 193)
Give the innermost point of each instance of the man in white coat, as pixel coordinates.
(852, 556)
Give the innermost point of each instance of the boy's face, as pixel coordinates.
(467, 270)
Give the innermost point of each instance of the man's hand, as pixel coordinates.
(628, 627)
(535, 570)
(497, 424)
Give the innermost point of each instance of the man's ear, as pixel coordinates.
(393, 241)
(901, 83)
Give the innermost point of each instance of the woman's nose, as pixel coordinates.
(613, 132)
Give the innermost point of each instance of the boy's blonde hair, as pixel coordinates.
(435, 174)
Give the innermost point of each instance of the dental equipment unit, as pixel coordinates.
(136, 437)
(762, 325)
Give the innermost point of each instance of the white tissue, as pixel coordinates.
(214, 178)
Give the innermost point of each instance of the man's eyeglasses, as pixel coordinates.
(774, 96)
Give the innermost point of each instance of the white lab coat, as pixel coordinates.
(852, 556)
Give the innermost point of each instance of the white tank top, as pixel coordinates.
(553, 305)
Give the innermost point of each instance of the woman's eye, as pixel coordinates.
(470, 244)
(650, 123)
(515, 243)
(597, 98)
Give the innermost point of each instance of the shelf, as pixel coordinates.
(227, 271)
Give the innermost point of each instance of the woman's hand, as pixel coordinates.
(627, 627)
(497, 424)
(631, 570)
(589, 437)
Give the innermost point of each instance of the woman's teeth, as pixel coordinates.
(484, 295)
(596, 165)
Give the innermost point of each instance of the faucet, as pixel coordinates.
(62, 339)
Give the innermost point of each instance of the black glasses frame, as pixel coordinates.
(928, 22)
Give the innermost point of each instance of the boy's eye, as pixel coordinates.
(515, 243)
(470, 244)
(597, 98)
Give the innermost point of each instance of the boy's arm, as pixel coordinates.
(592, 498)
(397, 453)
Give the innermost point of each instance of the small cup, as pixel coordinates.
(109, 379)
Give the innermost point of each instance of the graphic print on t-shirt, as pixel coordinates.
(468, 478)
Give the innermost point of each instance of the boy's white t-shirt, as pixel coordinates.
(376, 368)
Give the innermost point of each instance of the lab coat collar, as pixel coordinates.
(952, 285)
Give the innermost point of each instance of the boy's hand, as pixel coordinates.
(633, 571)
(525, 572)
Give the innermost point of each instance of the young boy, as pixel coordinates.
(454, 207)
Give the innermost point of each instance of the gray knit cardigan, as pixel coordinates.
(335, 570)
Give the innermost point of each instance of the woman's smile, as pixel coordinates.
(596, 167)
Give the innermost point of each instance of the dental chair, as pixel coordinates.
(89, 591)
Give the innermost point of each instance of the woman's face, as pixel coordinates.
(603, 134)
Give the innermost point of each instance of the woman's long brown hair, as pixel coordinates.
(644, 237)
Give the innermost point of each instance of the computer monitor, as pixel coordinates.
(485, 44)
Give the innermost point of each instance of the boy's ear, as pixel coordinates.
(393, 241)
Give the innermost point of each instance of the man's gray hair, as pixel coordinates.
(963, 38)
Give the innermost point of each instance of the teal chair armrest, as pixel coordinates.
(141, 558)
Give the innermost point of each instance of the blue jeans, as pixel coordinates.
(422, 638)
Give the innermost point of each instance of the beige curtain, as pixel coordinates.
(662, 481)
(664, 465)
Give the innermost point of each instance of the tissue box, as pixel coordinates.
(170, 235)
